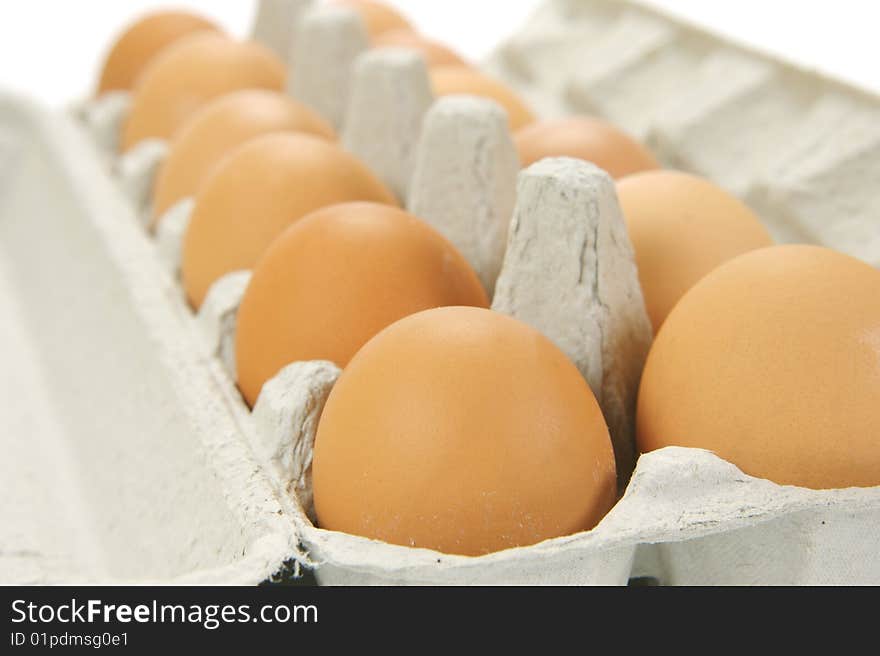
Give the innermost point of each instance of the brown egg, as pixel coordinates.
(455, 80)
(220, 127)
(435, 54)
(256, 192)
(681, 227)
(378, 17)
(587, 138)
(772, 361)
(190, 73)
(464, 431)
(338, 277)
(141, 42)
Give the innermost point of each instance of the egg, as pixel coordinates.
(587, 138)
(465, 431)
(141, 42)
(462, 80)
(435, 54)
(681, 227)
(772, 362)
(338, 277)
(218, 128)
(190, 73)
(256, 192)
(378, 17)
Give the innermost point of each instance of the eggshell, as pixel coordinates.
(464, 431)
(681, 227)
(256, 192)
(338, 277)
(378, 17)
(141, 42)
(461, 80)
(221, 126)
(435, 53)
(587, 138)
(190, 73)
(772, 361)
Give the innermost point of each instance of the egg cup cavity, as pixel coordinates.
(286, 420)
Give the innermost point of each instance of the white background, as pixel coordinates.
(52, 49)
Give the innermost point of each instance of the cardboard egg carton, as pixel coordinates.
(160, 471)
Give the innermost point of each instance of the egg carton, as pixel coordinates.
(565, 266)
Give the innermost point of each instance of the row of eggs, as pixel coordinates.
(454, 427)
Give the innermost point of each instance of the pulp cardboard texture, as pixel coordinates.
(327, 42)
(170, 233)
(103, 119)
(389, 97)
(136, 171)
(218, 317)
(802, 150)
(124, 457)
(275, 24)
(464, 181)
(569, 271)
(133, 457)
